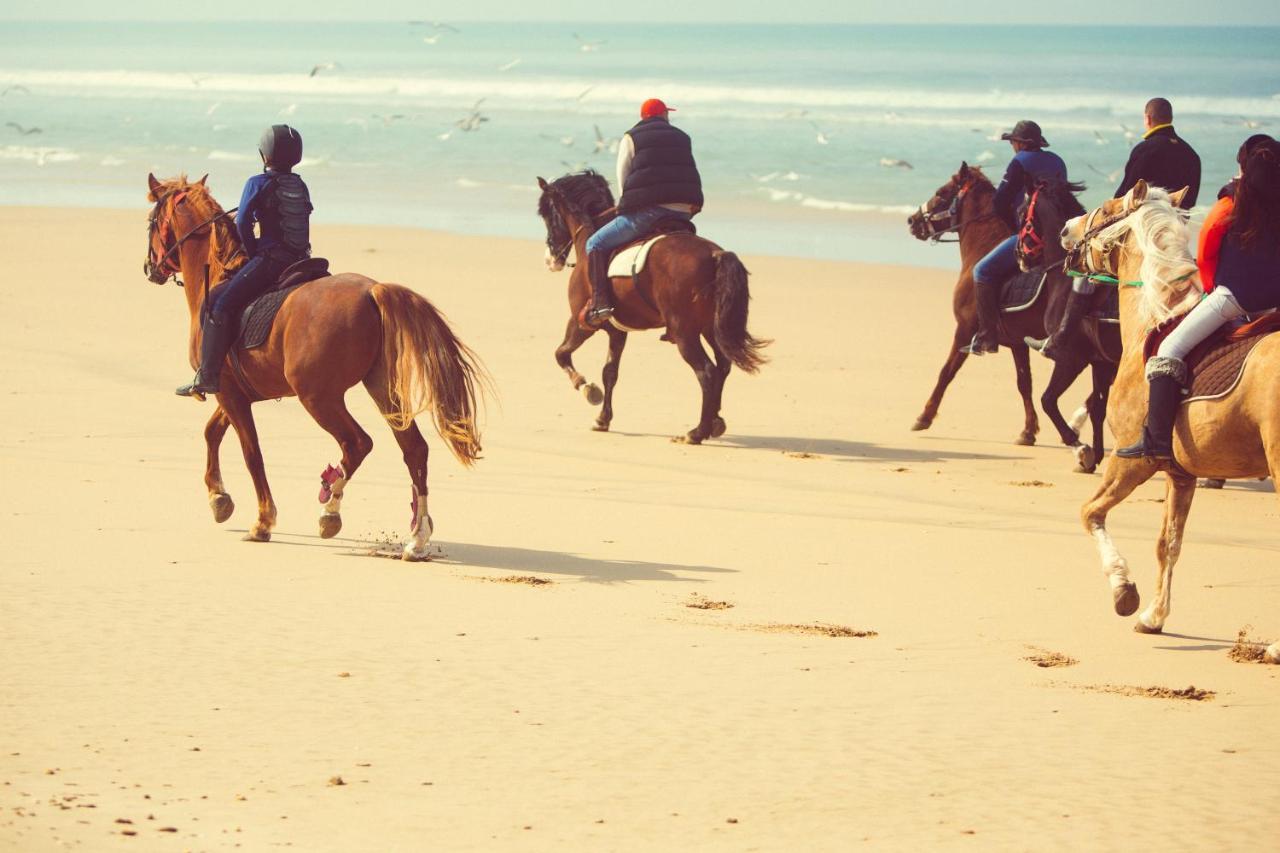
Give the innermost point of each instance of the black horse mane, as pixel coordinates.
(1063, 194)
(585, 193)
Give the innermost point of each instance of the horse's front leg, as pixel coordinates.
(240, 412)
(1119, 480)
(1177, 504)
(617, 341)
(1064, 373)
(574, 336)
(1104, 376)
(1022, 370)
(950, 368)
(219, 501)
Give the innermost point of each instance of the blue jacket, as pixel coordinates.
(1024, 170)
(253, 209)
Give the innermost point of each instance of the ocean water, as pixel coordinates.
(796, 128)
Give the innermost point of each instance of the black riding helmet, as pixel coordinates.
(281, 147)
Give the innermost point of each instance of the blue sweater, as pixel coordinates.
(1252, 274)
(1024, 170)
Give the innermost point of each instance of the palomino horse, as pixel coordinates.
(328, 335)
(1095, 345)
(964, 205)
(1142, 242)
(689, 285)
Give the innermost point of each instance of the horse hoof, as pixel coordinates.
(921, 424)
(411, 554)
(593, 393)
(1126, 599)
(330, 524)
(1085, 461)
(222, 506)
(1212, 484)
(718, 427)
(692, 437)
(258, 534)
(599, 426)
(1026, 439)
(1143, 628)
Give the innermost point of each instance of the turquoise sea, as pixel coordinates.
(796, 128)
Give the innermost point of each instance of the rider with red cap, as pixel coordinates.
(657, 179)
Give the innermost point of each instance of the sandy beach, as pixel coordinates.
(615, 645)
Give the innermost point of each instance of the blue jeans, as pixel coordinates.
(627, 227)
(999, 265)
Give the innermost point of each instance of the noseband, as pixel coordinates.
(165, 267)
(1090, 255)
(938, 223)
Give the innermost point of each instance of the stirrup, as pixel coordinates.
(1037, 344)
(597, 317)
(1141, 451)
(197, 388)
(976, 347)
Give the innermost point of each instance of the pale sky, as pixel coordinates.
(1169, 12)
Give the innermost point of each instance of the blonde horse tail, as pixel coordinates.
(732, 296)
(428, 368)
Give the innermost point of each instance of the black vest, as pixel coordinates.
(287, 208)
(663, 171)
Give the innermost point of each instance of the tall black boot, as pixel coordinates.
(1053, 346)
(1165, 377)
(215, 340)
(987, 339)
(601, 289)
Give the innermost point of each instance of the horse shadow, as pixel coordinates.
(515, 559)
(839, 449)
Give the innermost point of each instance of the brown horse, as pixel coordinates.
(963, 205)
(1143, 242)
(689, 286)
(328, 335)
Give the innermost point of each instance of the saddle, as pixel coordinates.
(1021, 291)
(256, 320)
(1218, 362)
(630, 259)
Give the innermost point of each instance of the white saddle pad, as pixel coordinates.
(630, 261)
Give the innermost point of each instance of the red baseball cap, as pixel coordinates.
(654, 107)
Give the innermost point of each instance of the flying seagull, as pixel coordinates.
(25, 131)
(604, 143)
(890, 163)
(587, 46)
(324, 66)
(15, 88)
(507, 66)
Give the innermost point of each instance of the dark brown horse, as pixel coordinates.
(328, 335)
(963, 205)
(689, 286)
(1095, 345)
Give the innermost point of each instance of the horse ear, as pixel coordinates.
(964, 168)
(1136, 196)
(202, 180)
(542, 184)
(1176, 198)
(152, 183)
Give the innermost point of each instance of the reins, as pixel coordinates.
(941, 223)
(164, 260)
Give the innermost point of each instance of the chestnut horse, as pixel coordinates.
(963, 205)
(689, 286)
(328, 335)
(1142, 241)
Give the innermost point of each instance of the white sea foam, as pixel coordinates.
(40, 155)
(561, 93)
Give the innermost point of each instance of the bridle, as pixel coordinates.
(1090, 255)
(166, 267)
(1030, 245)
(936, 223)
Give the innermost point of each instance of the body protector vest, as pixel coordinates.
(287, 205)
(663, 170)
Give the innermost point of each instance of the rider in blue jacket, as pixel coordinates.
(1030, 163)
(277, 201)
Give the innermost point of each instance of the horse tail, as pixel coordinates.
(732, 297)
(427, 367)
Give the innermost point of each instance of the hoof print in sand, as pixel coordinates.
(812, 629)
(1190, 693)
(699, 602)
(1248, 649)
(1045, 658)
(527, 580)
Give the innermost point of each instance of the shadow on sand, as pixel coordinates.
(846, 451)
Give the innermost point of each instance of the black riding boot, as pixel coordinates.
(987, 339)
(601, 289)
(1164, 397)
(1053, 346)
(214, 343)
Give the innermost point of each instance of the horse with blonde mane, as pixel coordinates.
(328, 335)
(1142, 241)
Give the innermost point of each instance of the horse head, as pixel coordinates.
(941, 213)
(1047, 209)
(184, 210)
(570, 205)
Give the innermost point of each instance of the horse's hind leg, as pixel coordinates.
(330, 411)
(240, 413)
(617, 341)
(1104, 376)
(219, 501)
(950, 368)
(1177, 503)
(574, 336)
(1022, 369)
(724, 364)
(1119, 480)
(416, 453)
(710, 378)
